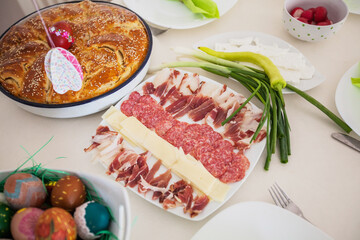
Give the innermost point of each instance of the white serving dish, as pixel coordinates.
(266, 39)
(164, 14)
(353, 5)
(89, 106)
(253, 154)
(258, 221)
(347, 98)
(117, 201)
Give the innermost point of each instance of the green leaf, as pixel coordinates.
(207, 7)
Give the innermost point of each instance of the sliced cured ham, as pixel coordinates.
(132, 169)
(172, 95)
(202, 110)
(200, 202)
(189, 84)
(218, 115)
(139, 170)
(148, 88)
(160, 181)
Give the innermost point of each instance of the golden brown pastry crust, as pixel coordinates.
(110, 44)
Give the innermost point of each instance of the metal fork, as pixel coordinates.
(282, 200)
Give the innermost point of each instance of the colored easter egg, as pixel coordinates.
(6, 214)
(50, 186)
(61, 34)
(91, 218)
(55, 223)
(23, 223)
(24, 190)
(68, 193)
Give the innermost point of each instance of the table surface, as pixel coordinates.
(322, 175)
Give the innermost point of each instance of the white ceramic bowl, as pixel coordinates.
(337, 13)
(117, 201)
(92, 105)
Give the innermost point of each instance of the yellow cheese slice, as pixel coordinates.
(185, 166)
(195, 173)
(108, 112)
(219, 190)
(161, 149)
(127, 137)
(114, 117)
(134, 130)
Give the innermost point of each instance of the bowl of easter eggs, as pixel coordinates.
(314, 20)
(38, 203)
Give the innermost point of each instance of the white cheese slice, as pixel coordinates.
(290, 76)
(293, 64)
(160, 148)
(241, 41)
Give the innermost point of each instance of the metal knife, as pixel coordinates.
(347, 140)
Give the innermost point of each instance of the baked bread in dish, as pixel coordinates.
(111, 43)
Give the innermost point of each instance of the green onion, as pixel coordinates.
(321, 107)
(258, 84)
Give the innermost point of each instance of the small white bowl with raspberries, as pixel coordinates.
(314, 20)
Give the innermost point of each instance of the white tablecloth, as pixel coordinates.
(322, 175)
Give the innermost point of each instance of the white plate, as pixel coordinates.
(253, 154)
(347, 99)
(118, 202)
(265, 39)
(174, 14)
(258, 221)
(353, 5)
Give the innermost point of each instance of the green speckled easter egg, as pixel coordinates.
(6, 214)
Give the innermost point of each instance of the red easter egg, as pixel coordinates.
(24, 190)
(61, 34)
(55, 223)
(23, 223)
